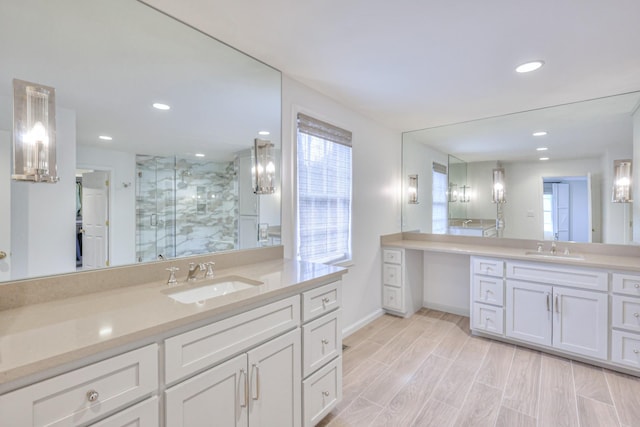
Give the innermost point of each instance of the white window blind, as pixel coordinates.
(324, 191)
(439, 203)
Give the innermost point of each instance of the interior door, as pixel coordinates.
(95, 219)
(5, 207)
(561, 211)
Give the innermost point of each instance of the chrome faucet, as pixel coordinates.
(465, 222)
(209, 272)
(193, 271)
(553, 248)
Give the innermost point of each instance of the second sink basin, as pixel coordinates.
(554, 256)
(199, 292)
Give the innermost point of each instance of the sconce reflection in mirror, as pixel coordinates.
(622, 181)
(263, 170)
(34, 133)
(453, 192)
(498, 197)
(413, 189)
(465, 196)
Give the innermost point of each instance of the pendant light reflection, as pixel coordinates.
(34, 133)
(413, 189)
(622, 171)
(498, 195)
(263, 171)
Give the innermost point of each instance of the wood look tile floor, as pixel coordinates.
(428, 370)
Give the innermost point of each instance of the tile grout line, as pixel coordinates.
(575, 392)
(539, 406)
(613, 400)
(504, 387)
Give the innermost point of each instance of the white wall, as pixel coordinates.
(43, 227)
(418, 158)
(122, 199)
(636, 177)
(376, 192)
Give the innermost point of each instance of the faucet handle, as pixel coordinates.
(540, 245)
(172, 275)
(210, 272)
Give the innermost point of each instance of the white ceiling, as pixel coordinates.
(411, 64)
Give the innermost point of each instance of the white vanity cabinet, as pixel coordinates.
(87, 394)
(540, 311)
(321, 352)
(625, 319)
(261, 387)
(487, 295)
(402, 283)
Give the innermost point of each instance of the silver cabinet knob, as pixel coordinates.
(326, 300)
(636, 314)
(325, 341)
(637, 285)
(636, 351)
(92, 395)
(325, 393)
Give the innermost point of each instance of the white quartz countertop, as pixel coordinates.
(38, 337)
(588, 259)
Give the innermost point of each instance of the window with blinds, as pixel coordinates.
(324, 191)
(439, 204)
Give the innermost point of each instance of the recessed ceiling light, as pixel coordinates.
(105, 137)
(199, 155)
(540, 133)
(542, 149)
(264, 132)
(527, 67)
(161, 106)
(544, 158)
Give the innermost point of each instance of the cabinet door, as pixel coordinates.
(218, 396)
(528, 308)
(275, 383)
(580, 322)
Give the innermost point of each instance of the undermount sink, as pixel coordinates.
(558, 255)
(200, 292)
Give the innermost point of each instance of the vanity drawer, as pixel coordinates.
(392, 256)
(626, 313)
(64, 400)
(584, 278)
(487, 318)
(200, 348)
(488, 290)
(321, 342)
(625, 283)
(625, 348)
(143, 414)
(392, 298)
(392, 274)
(321, 392)
(488, 267)
(321, 300)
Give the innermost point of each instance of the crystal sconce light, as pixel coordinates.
(413, 189)
(34, 133)
(263, 170)
(498, 186)
(622, 181)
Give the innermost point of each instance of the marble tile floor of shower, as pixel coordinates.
(428, 370)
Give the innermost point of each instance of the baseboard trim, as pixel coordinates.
(447, 309)
(361, 323)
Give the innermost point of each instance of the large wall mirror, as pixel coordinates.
(137, 183)
(557, 167)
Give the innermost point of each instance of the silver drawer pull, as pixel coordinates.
(636, 351)
(325, 341)
(326, 300)
(636, 314)
(92, 395)
(637, 285)
(325, 393)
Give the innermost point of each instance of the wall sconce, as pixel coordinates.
(34, 133)
(413, 189)
(453, 192)
(465, 196)
(498, 186)
(263, 172)
(622, 181)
